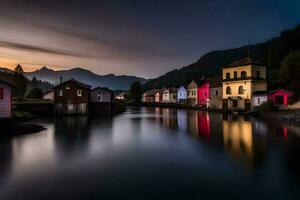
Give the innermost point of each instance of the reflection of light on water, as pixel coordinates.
(33, 152)
(182, 119)
(237, 136)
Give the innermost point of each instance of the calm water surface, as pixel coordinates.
(153, 153)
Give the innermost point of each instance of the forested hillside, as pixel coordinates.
(271, 52)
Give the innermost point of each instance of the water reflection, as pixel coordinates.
(150, 145)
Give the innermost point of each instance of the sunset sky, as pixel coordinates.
(134, 37)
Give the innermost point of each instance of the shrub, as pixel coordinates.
(35, 93)
(267, 106)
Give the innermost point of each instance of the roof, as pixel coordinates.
(245, 61)
(7, 83)
(102, 88)
(287, 91)
(48, 91)
(74, 82)
(260, 93)
(151, 92)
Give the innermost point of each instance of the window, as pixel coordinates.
(217, 92)
(228, 90)
(258, 101)
(1, 93)
(79, 94)
(235, 74)
(227, 75)
(205, 94)
(99, 96)
(243, 74)
(60, 93)
(67, 87)
(241, 90)
(258, 74)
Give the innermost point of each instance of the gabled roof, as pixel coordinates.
(102, 88)
(7, 83)
(73, 81)
(245, 61)
(151, 92)
(287, 91)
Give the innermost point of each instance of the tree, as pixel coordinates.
(290, 72)
(35, 93)
(19, 69)
(34, 82)
(135, 91)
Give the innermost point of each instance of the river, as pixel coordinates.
(153, 153)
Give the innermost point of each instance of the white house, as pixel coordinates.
(5, 99)
(49, 95)
(259, 98)
(169, 95)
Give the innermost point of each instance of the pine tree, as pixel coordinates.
(19, 69)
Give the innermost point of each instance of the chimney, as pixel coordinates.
(61, 79)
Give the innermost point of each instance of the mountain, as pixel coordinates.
(271, 52)
(111, 81)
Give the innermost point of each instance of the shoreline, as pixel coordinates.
(280, 116)
(10, 127)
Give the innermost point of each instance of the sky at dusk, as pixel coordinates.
(134, 37)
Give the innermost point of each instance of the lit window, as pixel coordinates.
(228, 90)
(1, 93)
(79, 93)
(67, 87)
(60, 93)
(99, 96)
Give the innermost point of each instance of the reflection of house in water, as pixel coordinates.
(192, 122)
(238, 140)
(169, 118)
(203, 124)
(245, 139)
(6, 155)
(182, 119)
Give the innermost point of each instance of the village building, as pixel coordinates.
(258, 98)
(203, 94)
(215, 93)
(159, 95)
(192, 90)
(149, 96)
(240, 80)
(169, 95)
(71, 97)
(5, 100)
(49, 95)
(100, 100)
(278, 97)
(182, 95)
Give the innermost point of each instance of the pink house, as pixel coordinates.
(279, 96)
(203, 94)
(5, 100)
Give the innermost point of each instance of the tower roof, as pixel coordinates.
(245, 61)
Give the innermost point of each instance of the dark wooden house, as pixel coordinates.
(71, 97)
(100, 100)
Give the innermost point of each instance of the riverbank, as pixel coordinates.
(285, 116)
(10, 127)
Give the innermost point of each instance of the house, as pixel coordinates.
(203, 94)
(49, 95)
(121, 96)
(71, 97)
(100, 100)
(192, 90)
(159, 95)
(240, 80)
(279, 97)
(215, 93)
(5, 100)
(169, 95)
(258, 98)
(149, 96)
(182, 95)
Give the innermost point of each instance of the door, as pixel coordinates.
(279, 100)
(234, 103)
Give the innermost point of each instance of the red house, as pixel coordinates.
(279, 97)
(203, 94)
(5, 100)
